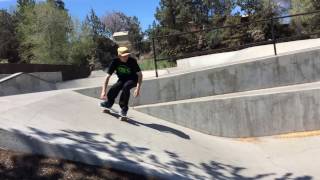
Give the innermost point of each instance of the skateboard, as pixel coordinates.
(115, 113)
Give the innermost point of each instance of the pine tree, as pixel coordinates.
(57, 3)
(44, 33)
(308, 23)
(25, 3)
(135, 34)
(8, 39)
(104, 48)
(97, 27)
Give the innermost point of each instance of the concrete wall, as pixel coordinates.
(284, 70)
(23, 83)
(298, 68)
(52, 77)
(247, 116)
(95, 93)
(244, 54)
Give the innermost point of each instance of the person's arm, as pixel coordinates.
(137, 91)
(104, 87)
(111, 69)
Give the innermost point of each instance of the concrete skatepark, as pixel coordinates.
(232, 131)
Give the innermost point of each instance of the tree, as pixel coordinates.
(8, 39)
(169, 22)
(104, 48)
(261, 9)
(81, 44)
(57, 3)
(44, 34)
(22, 4)
(308, 23)
(115, 22)
(60, 4)
(97, 27)
(167, 13)
(135, 33)
(24, 7)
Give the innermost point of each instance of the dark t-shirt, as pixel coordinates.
(125, 71)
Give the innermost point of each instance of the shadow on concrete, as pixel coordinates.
(93, 148)
(157, 127)
(114, 114)
(160, 128)
(19, 166)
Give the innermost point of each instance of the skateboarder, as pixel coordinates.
(129, 76)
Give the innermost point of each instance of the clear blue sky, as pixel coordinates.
(143, 9)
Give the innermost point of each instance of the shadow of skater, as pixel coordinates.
(160, 128)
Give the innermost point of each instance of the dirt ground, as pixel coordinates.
(19, 166)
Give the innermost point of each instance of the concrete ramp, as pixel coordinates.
(245, 54)
(69, 125)
(4, 75)
(289, 69)
(21, 83)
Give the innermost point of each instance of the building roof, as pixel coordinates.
(121, 33)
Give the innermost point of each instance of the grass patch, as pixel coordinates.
(148, 64)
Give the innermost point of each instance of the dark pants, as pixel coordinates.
(125, 86)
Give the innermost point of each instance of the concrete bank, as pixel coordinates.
(247, 114)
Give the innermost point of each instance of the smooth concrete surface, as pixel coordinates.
(248, 53)
(69, 125)
(297, 68)
(247, 114)
(21, 83)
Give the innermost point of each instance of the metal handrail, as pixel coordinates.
(274, 40)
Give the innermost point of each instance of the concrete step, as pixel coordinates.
(262, 112)
(288, 69)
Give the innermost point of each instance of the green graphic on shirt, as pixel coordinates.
(123, 70)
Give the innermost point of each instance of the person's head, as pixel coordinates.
(123, 54)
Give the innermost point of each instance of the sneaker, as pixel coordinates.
(106, 104)
(123, 113)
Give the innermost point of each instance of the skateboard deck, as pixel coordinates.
(115, 113)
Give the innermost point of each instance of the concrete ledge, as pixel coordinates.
(248, 114)
(21, 83)
(3, 76)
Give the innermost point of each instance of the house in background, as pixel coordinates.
(122, 38)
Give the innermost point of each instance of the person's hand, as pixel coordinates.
(136, 92)
(103, 96)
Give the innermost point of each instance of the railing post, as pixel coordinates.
(273, 37)
(272, 29)
(155, 57)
